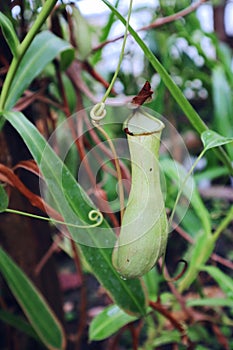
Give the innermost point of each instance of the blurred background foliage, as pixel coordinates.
(197, 52)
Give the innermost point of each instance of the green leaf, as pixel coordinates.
(224, 54)
(177, 173)
(202, 250)
(3, 199)
(167, 337)
(211, 139)
(108, 322)
(197, 332)
(190, 223)
(74, 205)
(67, 57)
(223, 103)
(19, 323)
(33, 304)
(9, 34)
(152, 279)
(213, 302)
(43, 49)
(224, 281)
(82, 32)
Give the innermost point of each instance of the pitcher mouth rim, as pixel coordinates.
(144, 132)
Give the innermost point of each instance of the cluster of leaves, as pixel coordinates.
(66, 59)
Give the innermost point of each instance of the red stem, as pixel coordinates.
(158, 307)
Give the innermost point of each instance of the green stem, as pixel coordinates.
(183, 184)
(45, 12)
(121, 54)
(184, 104)
(225, 222)
(94, 215)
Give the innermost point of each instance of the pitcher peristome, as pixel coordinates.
(143, 236)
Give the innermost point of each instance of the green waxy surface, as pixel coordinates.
(143, 235)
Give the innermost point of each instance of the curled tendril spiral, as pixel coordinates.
(95, 215)
(98, 112)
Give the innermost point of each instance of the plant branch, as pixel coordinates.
(164, 20)
(158, 307)
(157, 23)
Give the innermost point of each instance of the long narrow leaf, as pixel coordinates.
(9, 33)
(74, 205)
(224, 281)
(19, 323)
(223, 104)
(43, 49)
(33, 304)
(212, 302)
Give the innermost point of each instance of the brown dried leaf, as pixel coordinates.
(144, 95)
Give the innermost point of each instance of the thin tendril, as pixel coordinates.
(98, 112)
(183, 184)
(118, 169)
(93, 215)
(177, 277)
(121, 54)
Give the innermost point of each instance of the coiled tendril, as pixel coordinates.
(98, 113)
